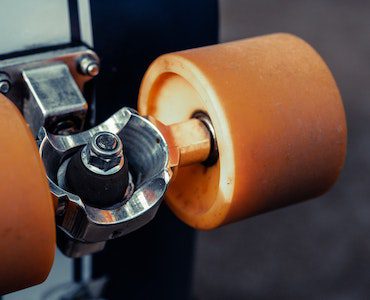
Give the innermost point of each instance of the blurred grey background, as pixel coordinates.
(319, 249)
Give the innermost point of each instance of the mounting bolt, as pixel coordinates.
(88, 65)
(4, 83)
(103, 154)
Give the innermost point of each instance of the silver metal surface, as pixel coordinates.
(4, 86)
(213, 154)
(88, 65)
(4, 83)
(14, 68)
(103, 154)
(54, 96)
(147, 152)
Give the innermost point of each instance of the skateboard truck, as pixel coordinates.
(90, 221)
(109, 180)
(102, 194)
(228, 126)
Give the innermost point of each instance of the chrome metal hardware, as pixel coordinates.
(86, 228)
(49, 87)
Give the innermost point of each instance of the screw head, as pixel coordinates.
(4, 86)
(88, 65)
(93, 69)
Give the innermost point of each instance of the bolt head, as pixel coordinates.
(89, 66)
(93, 69)
(4, 86)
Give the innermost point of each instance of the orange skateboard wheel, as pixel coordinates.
(27, 228)
(278, 118)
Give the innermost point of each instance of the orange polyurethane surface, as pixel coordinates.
(278, 117)
(27, 228)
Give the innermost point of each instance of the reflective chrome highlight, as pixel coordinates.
(147, 153)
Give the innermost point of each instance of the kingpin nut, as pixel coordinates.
(103, 154)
